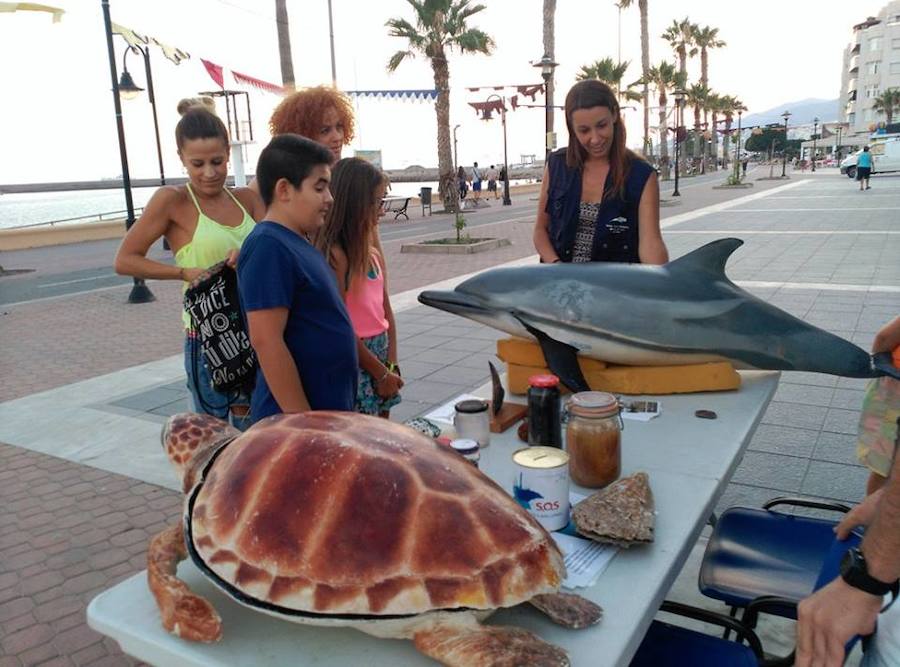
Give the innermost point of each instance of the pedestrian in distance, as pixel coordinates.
(492, 180)
(204, 223)
(347, 241)
(462, 182)
(599, 201)
(299, 326)
(476, 181)
(864, 164)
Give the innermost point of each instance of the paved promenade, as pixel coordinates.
(87, 380)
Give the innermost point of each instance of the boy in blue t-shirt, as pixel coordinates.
(299, 327)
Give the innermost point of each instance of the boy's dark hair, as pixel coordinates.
(199, 123)
(288, 156)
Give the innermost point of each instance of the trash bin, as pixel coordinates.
(425, 197)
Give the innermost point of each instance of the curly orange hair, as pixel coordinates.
(301, 112)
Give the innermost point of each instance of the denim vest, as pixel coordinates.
(616, 232)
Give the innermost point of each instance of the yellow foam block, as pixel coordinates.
(717, 376)
(528, 353)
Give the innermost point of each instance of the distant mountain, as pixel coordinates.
(802, 112)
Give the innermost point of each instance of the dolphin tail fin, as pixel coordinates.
(561, 358)
(710, 258)
(884, 365)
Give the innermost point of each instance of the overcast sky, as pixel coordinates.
(57, 118)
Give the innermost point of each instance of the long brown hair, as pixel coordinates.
(349, 223)
(587, 95)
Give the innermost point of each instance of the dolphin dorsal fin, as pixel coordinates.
(710, 258)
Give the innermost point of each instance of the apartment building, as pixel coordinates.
(871, 65)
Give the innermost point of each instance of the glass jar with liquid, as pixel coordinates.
(593, 438)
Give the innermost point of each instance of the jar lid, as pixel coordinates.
(471, 406)
(594, 404)
(544, 381)
(464, 445)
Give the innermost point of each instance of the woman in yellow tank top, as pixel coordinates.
(204, 223)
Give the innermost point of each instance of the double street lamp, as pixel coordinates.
(547, 66)
(815, 136)
(679, 106)
(140, 293)
(486, 115)
(785, 115)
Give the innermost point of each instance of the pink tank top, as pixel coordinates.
(365, 302)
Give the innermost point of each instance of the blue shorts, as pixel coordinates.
(205, 399)
(476, 186)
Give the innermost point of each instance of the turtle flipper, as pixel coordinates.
(183, 613)
(568, 610)
(471, 644)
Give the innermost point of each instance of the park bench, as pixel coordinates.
(396, 205)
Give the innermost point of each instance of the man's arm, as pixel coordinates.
(830, 617)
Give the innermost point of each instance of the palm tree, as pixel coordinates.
(887, 103)
(716, 105)
(284, 45)
(440, 26)
(609, 73)
(697, 94)
(549, 17)
(706, 38)
(680, 36)
(663, 78)
(730, 106)
(645, 65)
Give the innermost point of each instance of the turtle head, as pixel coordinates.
(190, 438)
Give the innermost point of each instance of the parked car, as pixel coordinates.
(885, 158)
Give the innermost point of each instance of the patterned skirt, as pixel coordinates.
(878, 425)
(367, 399)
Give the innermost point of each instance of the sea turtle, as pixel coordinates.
(339, 519)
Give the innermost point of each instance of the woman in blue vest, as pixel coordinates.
(599, 201)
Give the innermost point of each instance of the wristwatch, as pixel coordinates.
(855, 573)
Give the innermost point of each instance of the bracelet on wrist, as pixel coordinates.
(383, 377)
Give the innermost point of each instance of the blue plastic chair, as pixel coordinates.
(754, 553)
(667, 645)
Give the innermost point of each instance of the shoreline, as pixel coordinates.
(22, 238)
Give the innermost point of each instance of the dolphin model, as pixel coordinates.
(684, 312)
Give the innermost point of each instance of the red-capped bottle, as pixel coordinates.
(544, 426)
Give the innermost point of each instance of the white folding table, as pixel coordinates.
(689, 461)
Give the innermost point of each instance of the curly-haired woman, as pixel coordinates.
(321, 113)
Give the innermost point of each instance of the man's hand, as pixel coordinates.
(828, 619)
(861, 515)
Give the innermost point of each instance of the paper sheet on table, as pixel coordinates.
(585, 559)
(445, 412)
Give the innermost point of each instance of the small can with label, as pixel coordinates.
(468, 449)
(541, 484)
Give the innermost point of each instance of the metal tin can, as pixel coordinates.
(541, 484)
(543, 411)
(468, 449)
(471, 420)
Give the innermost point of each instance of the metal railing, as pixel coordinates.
(92, 217)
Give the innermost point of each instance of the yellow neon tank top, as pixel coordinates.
(211, 242)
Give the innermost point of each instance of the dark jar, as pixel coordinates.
(593, 438)
(543, 411)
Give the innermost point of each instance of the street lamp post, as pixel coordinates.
(679, 103)
(838, 149)
(547, 66)
(785, 115)
(140, 293)
(815, 136)
(486, 115)
(737, 146)
(128, 90)
(455, 158)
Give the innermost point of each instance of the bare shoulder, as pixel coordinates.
(168, 196)
(248, 197)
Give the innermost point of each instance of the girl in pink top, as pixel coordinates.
(348, 241)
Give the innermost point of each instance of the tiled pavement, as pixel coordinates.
(68, 530)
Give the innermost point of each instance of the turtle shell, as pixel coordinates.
(337, 513)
